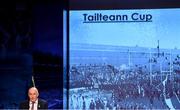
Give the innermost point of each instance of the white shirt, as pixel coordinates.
(35, 105)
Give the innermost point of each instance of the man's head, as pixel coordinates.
(33, 94)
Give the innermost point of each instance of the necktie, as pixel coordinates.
(32, 108)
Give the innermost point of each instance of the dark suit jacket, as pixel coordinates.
(42, 104)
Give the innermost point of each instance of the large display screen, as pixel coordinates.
(124, 59)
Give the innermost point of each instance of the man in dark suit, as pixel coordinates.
(34, 103)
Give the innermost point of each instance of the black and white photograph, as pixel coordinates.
(124, 59)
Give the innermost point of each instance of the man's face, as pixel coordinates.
(33, 95)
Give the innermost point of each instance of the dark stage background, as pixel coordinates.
(31, 45)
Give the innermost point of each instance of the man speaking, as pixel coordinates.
(34, 103)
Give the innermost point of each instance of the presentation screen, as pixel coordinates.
(124, 59)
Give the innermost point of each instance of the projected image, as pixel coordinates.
(124, 59)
